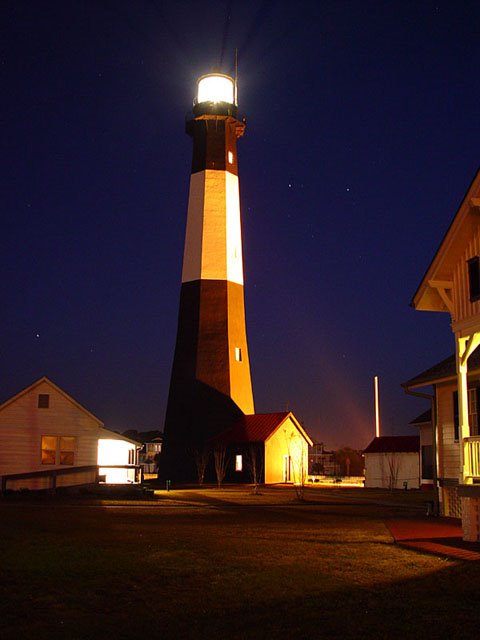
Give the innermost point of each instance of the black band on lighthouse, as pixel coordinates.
(215, 143)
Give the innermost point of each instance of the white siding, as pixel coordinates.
(425, 432)
(288, 441)
(463, 309)
(22, 425)
(448, 449)
(406, 468)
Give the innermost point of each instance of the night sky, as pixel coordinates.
(362, 138)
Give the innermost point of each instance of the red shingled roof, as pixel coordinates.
(394, 444)
(253, 428)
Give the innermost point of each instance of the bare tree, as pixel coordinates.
(254, 460)
(393, 468)
(201, 457)
(299, 464)
(221, 462)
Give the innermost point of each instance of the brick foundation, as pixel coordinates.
(471, 519)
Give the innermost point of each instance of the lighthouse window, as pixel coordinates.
(238, 354)
(230, 157)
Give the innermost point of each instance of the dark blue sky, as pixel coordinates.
(362, 138)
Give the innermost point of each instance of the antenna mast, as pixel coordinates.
(377, 411)
(236, 74)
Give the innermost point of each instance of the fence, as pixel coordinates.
(51, 476)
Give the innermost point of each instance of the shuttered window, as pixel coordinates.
(473, 412)
(455, 415)
(43, 400)
(474, 278)
(427, 462)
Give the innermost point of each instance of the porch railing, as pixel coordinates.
(52, 475)
(137, 471)
(471, 456)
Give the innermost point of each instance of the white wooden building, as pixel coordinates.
(442, 377)
(451, 285)
(49, 440)
(423, 423)
(393, 462)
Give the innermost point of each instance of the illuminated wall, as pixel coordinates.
(115, 452)
(286, 455)
(391, 470)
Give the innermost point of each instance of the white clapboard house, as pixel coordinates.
(451, 285)
(49, 440)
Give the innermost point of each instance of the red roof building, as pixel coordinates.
(265, 447)
(394, 444)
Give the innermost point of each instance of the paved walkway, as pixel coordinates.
(441, 536)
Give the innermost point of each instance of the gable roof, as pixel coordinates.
(258, 427)
(443, 371)
(57, 389)
(394, 444)
(466, 219)
(108, 434)
(423, 418)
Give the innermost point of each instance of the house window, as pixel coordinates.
(238, 463)
(427, 462)
(474, 278)
(238, 354)
(66, 450)
(131, 456)
(473, 411)
(230, 157)
(43, 400)
(456, 421)
(473, 417)
(49, 449)
(58, 450)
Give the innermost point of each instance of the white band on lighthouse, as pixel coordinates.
(213, 240)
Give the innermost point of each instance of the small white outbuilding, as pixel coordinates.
(49, 440)
(393, 462)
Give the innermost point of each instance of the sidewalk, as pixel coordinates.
(441, 536)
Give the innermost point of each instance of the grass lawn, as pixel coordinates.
(226, 564)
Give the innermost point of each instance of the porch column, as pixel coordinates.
(463, 426)
(470, 505)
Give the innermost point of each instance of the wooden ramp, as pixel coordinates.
(440, 536)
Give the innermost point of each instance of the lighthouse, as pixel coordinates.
(210, 386)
